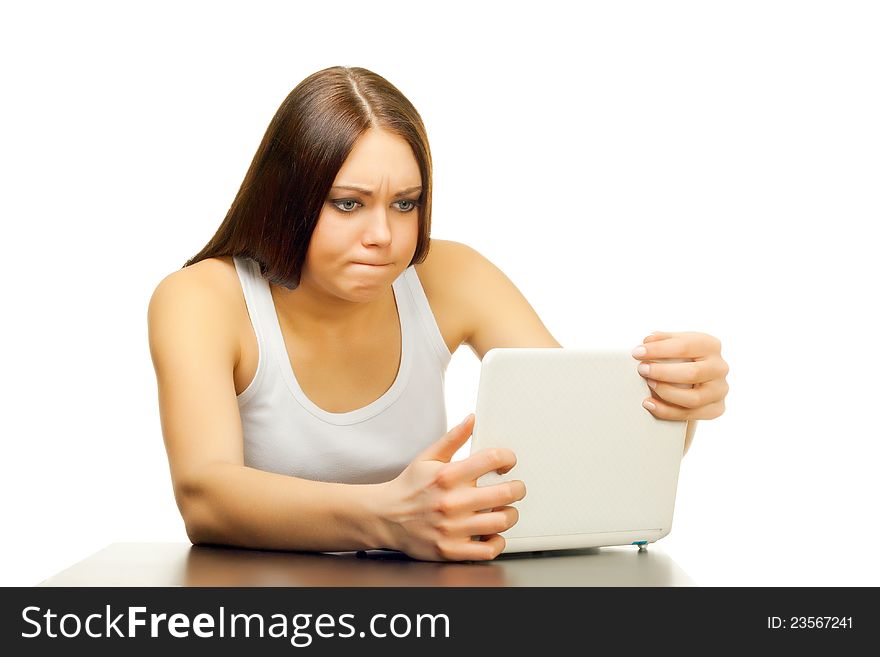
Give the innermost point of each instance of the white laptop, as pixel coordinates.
(599, 469)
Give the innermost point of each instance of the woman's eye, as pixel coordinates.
(349, 205)
(346, 205)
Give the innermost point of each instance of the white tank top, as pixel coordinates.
(285, 432)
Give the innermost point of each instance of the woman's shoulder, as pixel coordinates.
(451, 269)
(445, 251)
(209, 288)
(445, 262)
(450, 276)
(215, 276)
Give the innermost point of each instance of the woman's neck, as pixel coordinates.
(316, 314)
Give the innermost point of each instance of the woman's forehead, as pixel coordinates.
(379, 158)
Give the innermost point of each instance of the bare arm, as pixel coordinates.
(242, 506)
(194, 351)
(496, 312)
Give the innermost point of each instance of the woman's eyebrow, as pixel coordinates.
(368, 192)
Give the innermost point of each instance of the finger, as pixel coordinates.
(469, 550)
(687, 344)
(701, 394)
(480, 524)
(686, 372)
(476, 465)
(445, 448)
(466, 500)
(665, 411)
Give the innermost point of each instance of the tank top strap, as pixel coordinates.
(418, 300)
(255, 291)
(261, 309)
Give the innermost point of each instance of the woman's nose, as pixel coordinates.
(377, 231)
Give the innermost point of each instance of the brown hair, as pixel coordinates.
(277, 206)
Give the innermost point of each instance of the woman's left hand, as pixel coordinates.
(707, 374)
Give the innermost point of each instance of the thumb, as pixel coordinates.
(445, 448)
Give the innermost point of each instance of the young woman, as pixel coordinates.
(300, 356)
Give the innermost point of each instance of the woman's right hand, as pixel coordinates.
(434, 509)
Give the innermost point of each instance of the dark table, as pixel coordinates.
(183, 564)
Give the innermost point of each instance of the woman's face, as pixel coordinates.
(368, 229)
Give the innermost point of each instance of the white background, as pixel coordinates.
(632, 167)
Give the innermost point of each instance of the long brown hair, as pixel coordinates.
(277, 206)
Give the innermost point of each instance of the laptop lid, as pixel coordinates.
(599, 469)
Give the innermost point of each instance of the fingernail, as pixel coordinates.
(465, 421)
(644, 369)
(639, 351)
(652, 384)
(649, 405)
